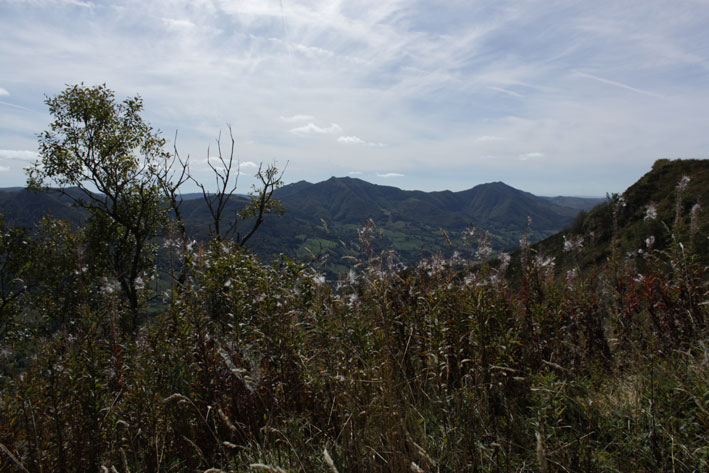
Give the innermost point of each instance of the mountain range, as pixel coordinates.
(322, 219)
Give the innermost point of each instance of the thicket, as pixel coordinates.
(445, 366)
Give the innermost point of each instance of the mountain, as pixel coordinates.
(23, 208)
(323, 218)
(578, 203)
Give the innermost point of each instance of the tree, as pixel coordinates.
(102, 155)
(226, 177)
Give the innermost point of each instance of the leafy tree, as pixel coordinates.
(101, 154)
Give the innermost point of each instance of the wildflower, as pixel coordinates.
(483, 251)
(545, 262)
(682, 185)
(319, 279)
(504, 262)
(650, 213)
(108, 287)
(694, 219)
(573, 244)
(352, 299)
(649, 242)
(571, 274)
(696, 208)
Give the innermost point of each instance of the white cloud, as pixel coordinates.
(351, 140)
(4, 168)
(298, 118)
(19, 155)
(178, 23)
(354, 173)
(387, 175)
(312, 128)
(248, 164)
(4, 92)
(532, 155)
(356, 140)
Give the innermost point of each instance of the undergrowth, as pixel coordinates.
(445, 366)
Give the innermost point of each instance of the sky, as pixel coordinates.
(552, 97)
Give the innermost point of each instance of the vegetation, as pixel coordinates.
(441, 366)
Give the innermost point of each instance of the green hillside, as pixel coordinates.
(664, 206)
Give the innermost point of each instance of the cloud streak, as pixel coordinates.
(388, 175)
(618, 84)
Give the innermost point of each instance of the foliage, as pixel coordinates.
(106, 151)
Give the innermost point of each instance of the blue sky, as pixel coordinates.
(552, 97)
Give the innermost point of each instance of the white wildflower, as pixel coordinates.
(571, 276)
(108, 287)
(352, 299)
(682, 185)
(483, 252)
(696, 208)
(573, 243)
(504, 262)
(319, 279)
(650, 213)
(544, 261)
(649, 242)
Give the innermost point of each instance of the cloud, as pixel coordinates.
(618, 84)
(248, 164)
(354, 173)
(4, 168)
(356, 140)
(312, 128)
(387, 175)
(533, 155)
(3, 92)
(19, 107)
(351, 140)
(19, 155)
(298, 118)
(505, 91)
(177, 23)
